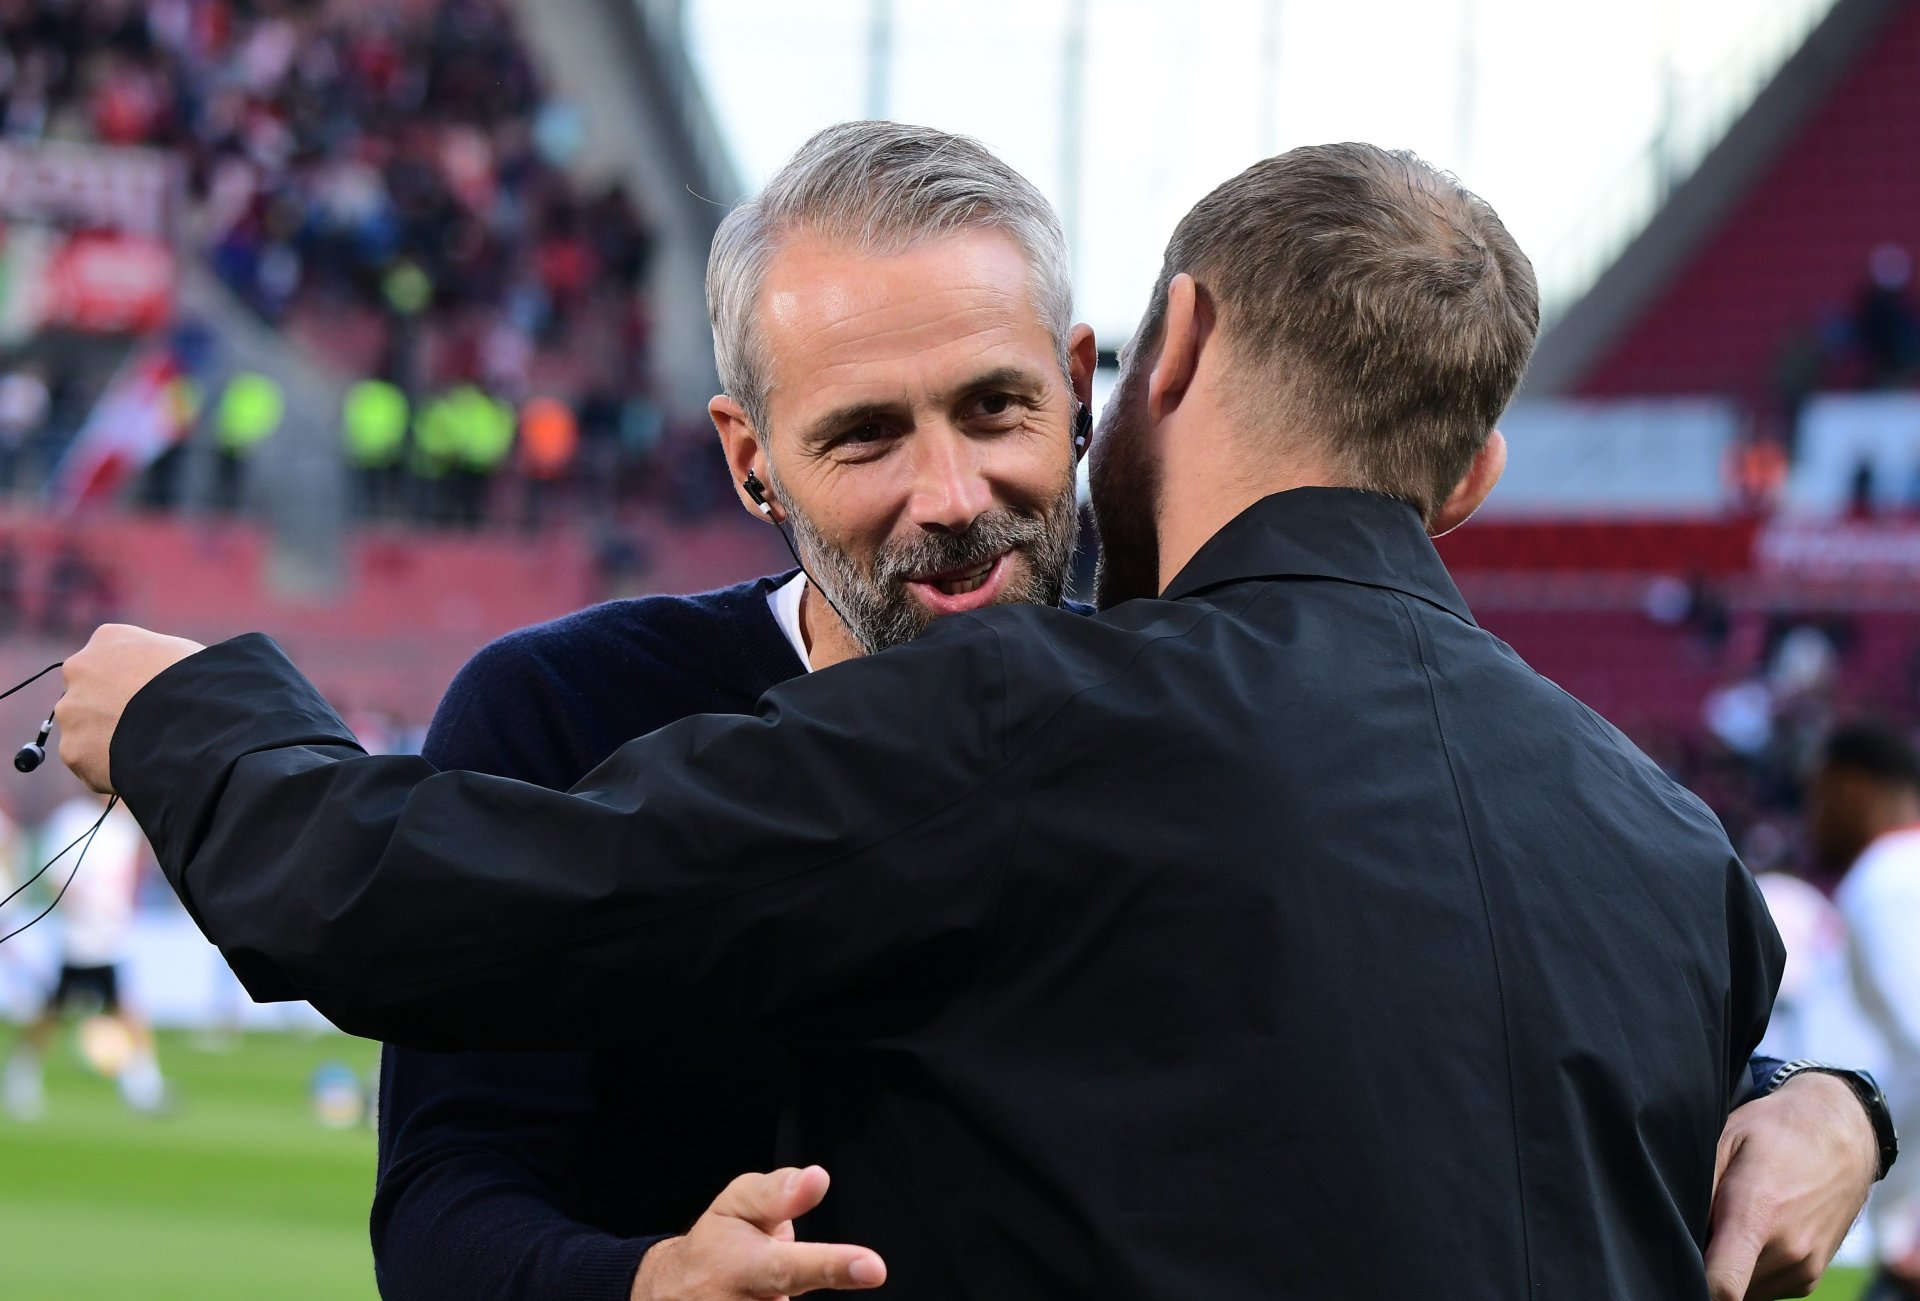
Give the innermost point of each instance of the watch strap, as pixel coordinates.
(1864, 1087)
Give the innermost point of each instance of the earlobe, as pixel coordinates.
(741, 447)
(1082, 358)
(1489, 463)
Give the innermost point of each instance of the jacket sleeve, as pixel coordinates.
(479, 1151)
(474, 1181)
(729, 871)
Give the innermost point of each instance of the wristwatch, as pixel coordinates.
(1864, 1087)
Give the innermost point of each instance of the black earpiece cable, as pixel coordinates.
(794, 551)
(1082, 435)
(35, 678)
(758, 491)
(86, 836)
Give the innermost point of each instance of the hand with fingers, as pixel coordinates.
(743, 1248)
(116, 663)
(1790, 1178)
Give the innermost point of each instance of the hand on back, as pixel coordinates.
(743, 1248)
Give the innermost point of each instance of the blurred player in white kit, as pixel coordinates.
(13, 980)
(96, 916)
(1817, 1012)
(1864, 814)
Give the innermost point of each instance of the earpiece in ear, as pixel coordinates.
(1082, 428)
(758, 491)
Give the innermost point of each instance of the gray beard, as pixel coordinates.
(874, 602)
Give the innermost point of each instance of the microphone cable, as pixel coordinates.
(57, 664)
(86, 836)
(825, 595)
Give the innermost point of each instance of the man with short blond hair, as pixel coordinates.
(1401, 325)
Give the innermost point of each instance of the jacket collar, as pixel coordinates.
(1340, 533)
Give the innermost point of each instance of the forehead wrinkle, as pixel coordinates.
(833, 339)
(854, 369)
(955, 338)
(925, 312)
(851, 384)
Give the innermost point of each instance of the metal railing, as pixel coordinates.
(1694, 120)
(664, 22)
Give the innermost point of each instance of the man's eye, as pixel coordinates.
(863, 435)
(995, 405)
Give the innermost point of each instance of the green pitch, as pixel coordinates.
(238, 1194)
(1842, 1285)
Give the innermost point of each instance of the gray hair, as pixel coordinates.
(881, 188)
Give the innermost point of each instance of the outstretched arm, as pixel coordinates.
(727, 870)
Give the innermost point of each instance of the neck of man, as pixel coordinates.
(1896, 810)
(827, 639)
(1212, 472)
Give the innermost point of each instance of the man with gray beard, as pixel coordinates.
(930, 483)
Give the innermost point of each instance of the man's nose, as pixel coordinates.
(951, 488)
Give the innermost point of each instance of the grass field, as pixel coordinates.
(238, 1194)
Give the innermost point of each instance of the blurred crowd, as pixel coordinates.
(457, 454)
(460, 455)
(68, 595)
(464, 456)
(394, 177)
(410, 165)
(41, 407)
(1872, 345)
(1786, 679)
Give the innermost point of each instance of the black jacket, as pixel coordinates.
(1101, 942)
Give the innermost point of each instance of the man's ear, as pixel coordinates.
(740, 444)
(1489, 463)
(1180, 338)
(1081, 359)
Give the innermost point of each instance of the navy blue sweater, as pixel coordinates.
(549, 1174)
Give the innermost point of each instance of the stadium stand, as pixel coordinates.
(386, 186)
(394, 189)
(1726, 624)
(393, 277)
(1770, 240)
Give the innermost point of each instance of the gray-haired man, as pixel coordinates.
(892, 324)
